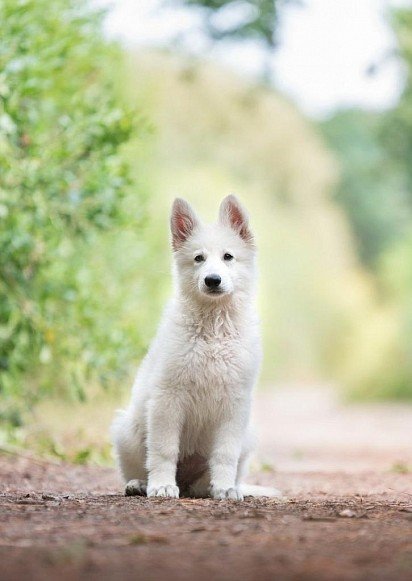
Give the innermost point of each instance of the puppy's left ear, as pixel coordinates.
(231, 213)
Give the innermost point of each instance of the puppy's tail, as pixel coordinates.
(257, 491)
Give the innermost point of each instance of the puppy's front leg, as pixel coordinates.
(163, 434)
(225, 458)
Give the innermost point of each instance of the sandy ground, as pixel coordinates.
(348, 513)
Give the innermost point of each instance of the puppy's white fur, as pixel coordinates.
(187, 425)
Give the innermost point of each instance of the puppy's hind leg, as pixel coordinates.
(135, 487)
(128, 440)
(248, 445)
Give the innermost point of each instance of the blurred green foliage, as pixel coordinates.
(375, 189)
(370, 189)
(396, 133)
(62, 180)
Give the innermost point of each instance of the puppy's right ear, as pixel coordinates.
(183, 222)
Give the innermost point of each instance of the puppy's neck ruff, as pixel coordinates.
(214, 318)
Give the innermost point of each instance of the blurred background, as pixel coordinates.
(303, 108)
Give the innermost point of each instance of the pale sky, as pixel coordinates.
(326, 48)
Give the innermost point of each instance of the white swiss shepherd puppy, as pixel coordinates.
(186, 430)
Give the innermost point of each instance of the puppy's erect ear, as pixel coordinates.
(183, 222)
(234, 215)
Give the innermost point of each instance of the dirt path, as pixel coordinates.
(349, 519)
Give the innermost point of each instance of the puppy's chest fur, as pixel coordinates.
(214, 359)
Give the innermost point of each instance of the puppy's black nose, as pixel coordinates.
(213, 280)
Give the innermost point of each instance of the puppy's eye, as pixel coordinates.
(227, 256)
(199, 258)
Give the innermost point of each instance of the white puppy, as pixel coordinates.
(186, 429)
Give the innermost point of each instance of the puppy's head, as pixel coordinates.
(213, 261)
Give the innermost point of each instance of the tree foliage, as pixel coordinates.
(241, 19)
(61, 180)
(396, 133)
(371, 187)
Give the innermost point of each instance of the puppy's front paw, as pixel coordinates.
(167, 491)
(226, 493)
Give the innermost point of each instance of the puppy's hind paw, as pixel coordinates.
(135, 488)
(226, 494)
(168, 491)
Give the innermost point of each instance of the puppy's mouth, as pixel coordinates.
(215, 292)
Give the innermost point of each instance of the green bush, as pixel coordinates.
(62, 181)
